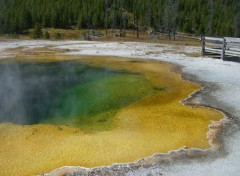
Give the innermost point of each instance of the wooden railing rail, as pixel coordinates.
(222, 46)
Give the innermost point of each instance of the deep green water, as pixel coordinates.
(66, 93)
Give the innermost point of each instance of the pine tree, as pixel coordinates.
(204, 16)
(37, 31)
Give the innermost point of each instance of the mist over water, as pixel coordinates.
(64, 92)
(11, 94)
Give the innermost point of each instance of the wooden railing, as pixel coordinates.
(221, 46)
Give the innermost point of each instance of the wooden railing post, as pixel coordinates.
(223, 49)
(203, 44)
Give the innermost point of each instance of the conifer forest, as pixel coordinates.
(210, 17)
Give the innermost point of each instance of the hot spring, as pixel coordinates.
(68, 93)
(93, 111)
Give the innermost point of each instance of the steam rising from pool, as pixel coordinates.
(65, 92)
(11, 94)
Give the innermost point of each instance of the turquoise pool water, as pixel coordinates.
(66, 93)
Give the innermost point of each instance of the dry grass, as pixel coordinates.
(66, 33)
(35, 51)
(145, 37)
(193, 54)
(130, 35)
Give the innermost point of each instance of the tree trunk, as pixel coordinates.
(175, 19)
(167, 19)
(237, 23)
(106, 16)
(114, 16)
(121, 17)
(137, 26)
(159, 16)
(210, 11)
